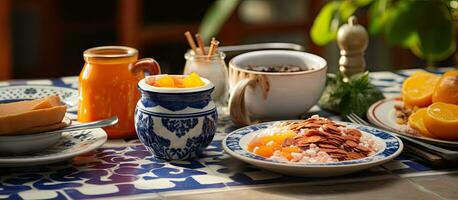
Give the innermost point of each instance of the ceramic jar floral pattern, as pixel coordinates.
(175, 123)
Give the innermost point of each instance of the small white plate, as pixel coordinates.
(383, 114)
(236, 145)
(71, 144)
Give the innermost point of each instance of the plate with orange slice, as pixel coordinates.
(427, 109)
(311, 147)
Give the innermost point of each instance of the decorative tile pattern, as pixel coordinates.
(125, 168)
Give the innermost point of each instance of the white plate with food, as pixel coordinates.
(383, 114)
(30, 119)
(70, 145)
(25, 124)
(316, 147)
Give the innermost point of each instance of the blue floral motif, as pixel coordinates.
(194, 129)
(179, 126)
(67, 143)
(30, 91)
(146, 134)
(161, 147)
(83, 135)
(195, 145)
(208, 130)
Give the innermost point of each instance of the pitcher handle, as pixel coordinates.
(237, 111)
(148, 65)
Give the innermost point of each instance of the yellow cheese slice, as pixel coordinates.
(20, 116)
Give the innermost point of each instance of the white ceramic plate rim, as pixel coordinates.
(372, 117)
(317, 165)
(147, 87)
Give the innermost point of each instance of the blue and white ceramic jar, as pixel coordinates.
(175, 123)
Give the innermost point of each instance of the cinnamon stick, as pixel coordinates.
(191, 42)
(201, 44)
(213, 47)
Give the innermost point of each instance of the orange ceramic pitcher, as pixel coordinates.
(108, 86)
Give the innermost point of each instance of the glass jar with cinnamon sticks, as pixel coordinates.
(208, 63)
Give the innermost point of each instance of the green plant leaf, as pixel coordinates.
(430, 36)
(331, 16)
(215, 17)
(331, 98)
(348, 7)
(426, 27)
(377, 16)
(400, 24)
(324, 28)
(436, 34)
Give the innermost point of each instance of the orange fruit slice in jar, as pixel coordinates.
(417, 90)
(178, 82)
(165, 81)
(446, 89)
(193, 80)
(416, 122)
(441, 120)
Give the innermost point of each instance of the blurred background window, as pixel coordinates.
(46, 38)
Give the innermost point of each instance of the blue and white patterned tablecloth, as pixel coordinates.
(125, 169)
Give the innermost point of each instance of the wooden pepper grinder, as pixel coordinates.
(352, 39)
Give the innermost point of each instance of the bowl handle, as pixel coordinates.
(148, 65)
(237, 110)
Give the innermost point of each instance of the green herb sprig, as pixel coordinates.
(356, 95)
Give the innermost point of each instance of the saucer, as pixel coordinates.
(71, 144)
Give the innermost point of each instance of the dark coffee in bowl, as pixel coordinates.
(277, 68)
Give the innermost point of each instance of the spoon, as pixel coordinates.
(88, 125)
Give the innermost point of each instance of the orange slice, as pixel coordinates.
(416, 122)
(420, 73)
(193, 80)
(417, 90)
(278, 137)
(265, 151)
(165, 81)
(266, 145)
(286, 152)
(446, 89)
(441, 120)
